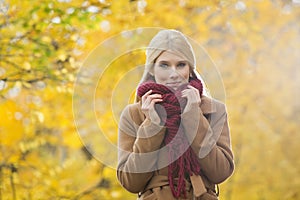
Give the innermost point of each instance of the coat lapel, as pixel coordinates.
(207, 105)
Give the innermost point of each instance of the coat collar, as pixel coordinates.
(207, 105)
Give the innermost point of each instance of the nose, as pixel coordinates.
(174, 74)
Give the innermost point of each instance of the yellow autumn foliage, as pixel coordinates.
(49, 147)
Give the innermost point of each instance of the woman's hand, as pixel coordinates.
(192, 95)
(148, 102)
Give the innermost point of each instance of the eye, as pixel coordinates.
(181, 65)
(163, 65)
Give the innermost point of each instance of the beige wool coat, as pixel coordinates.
(142, 162)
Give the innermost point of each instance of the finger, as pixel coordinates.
(148, 102)
(154, 96)
(154, 101)
(191, 87)
(146, 94)
(184, 95)
(189, 93)
(188, 90)
(185, 92)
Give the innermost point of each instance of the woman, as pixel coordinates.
(174, 142)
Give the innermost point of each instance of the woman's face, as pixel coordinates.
(171, 69)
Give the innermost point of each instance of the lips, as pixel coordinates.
(174, 84)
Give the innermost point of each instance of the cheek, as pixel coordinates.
(160, 75)
(185, 73)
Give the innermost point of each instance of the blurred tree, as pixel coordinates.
(42, 156)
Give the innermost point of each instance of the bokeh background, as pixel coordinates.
(254, 44)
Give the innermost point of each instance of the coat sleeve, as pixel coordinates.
(138, 145)
(210, 140)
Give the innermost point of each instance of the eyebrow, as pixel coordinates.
(176, 61)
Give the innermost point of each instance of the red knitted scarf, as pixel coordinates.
(179, 146)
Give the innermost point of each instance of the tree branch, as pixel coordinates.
(13, 170)
(1, 180)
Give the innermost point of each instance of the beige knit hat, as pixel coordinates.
(169, 39)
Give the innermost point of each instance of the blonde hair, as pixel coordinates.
(176, 42)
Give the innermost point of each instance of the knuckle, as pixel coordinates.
(144, 109)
